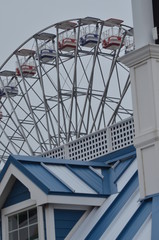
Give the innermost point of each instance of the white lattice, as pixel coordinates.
(122, 134)
(97, 144)
(89, 147)
(55, 153)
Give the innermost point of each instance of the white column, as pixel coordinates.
(50, 223)
(142, 12)
(144, 72)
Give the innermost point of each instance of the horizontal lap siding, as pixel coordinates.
(65, 221)
(18, 194)
(0, 228)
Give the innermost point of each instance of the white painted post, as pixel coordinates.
(50, 223)
(66, 151)
(143, 22)
(144, 74)
(109, 140)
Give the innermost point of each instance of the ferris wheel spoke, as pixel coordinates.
(91, 80)
(5, 150)
(42, 141)
(67, 73)
(5, 124)
(28, 102)
(101, 71)
(47, 107)
(84, 68)
(61, 131)
(49, 78)
(10, 117)
(19, 127)
(44, 100)
(41, 126)
(86, 101)
(67, 116)
(16, 134)
(56, 122)
(9, 141)
(102, 116)
(80, 113)
(101, 105)
(74, 91)
(112, 119)
(58, 87)
(28, 120)
(61, 109)
(90, 85)
(118, 80)
(90, 107)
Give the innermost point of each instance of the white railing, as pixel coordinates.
(96, 144)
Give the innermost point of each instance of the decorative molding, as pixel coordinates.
(143, 54)
(19, 207)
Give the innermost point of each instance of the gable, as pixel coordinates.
(18, 194)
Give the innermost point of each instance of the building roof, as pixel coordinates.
(121, 214)
(54, 176)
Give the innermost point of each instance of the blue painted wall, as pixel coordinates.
(0, 228)
(65, 221)
(155, 218)
(18, 194)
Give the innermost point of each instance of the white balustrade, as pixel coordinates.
(96, 144)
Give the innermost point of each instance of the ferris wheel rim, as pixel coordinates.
(46, 28)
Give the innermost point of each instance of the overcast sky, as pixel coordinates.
(21, 19)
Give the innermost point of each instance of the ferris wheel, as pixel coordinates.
(64, 82)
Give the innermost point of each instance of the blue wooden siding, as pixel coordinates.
(155, 218)
(0, 228)
(18, 194)
(65, 221)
